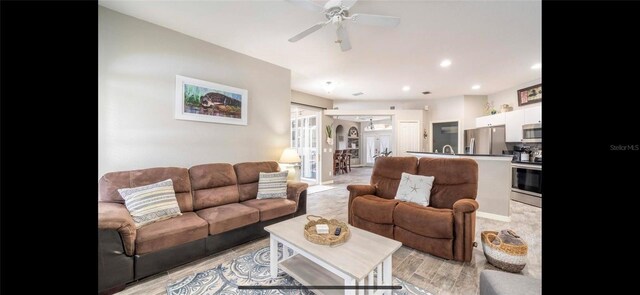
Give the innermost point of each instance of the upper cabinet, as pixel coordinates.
(515, 120)
(533, 115)
(513, 126)
(491, 120)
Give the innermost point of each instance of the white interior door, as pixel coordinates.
(371, 148)
(408, 137)
(385, 143)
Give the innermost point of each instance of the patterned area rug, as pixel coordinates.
(252, 270)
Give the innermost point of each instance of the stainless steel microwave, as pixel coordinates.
(532, 133)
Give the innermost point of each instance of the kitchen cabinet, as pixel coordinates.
(513, 125)
(491, 120)
(533, 115)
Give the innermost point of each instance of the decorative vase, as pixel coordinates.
(493, 112)
(329, 141)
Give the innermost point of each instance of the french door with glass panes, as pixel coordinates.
(305, 139)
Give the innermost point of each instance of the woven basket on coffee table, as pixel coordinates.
(505, 256)
(326, 239)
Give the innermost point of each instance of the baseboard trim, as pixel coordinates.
(493, 216)
(327, 182)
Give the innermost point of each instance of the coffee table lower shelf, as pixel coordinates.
(309, 273)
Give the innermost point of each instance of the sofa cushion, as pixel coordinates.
(112, 181)
(438, 247)
(374, 209)
(227, 217)
(455, 179)
(425, 221)
(170, 232)
(151, 203)
(415, 189)
(272, 208)
(272, 185)
(387, 172)
(213, 185)
(385, 230)
(248, 174)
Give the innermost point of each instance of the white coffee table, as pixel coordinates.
(350, 264)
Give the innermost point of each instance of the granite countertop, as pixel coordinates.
(462, 155)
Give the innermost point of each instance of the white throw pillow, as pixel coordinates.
(272, 185)
(150, 203)
(415, 189)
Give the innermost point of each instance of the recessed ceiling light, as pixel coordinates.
(328, 87)
(445, 63)
(406, 88)
(475, 87)
(536, 66)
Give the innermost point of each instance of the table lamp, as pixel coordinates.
(290, 160)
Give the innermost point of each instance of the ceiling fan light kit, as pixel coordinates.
(336, 11)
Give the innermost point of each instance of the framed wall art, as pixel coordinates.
(204, 101)
(529, 95)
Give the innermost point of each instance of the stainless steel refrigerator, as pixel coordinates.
(485, 140)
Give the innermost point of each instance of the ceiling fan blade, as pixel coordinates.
(307, 4)
(308, 31)
(348, 3)
(375, 20)
(343, 37)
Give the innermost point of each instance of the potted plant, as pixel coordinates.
(328, 131)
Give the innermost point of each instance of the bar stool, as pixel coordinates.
(348, 162)
(343, 161)
(336, 161)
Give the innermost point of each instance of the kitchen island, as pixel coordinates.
(494, 182)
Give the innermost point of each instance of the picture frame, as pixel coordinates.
(529, 95)
(204, 101)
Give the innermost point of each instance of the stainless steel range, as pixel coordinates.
(526, 183)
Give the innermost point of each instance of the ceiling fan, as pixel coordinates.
(336, 12)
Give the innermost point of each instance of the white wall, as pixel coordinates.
(474, 106)
(381, 104)
(510, 96)
(137, 65)
(446, 109)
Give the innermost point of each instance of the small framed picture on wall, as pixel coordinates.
(529, 95)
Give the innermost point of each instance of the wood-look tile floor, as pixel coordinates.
(437, 275)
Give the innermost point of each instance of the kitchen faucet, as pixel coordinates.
(450, 148)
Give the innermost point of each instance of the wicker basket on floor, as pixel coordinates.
(508, 257)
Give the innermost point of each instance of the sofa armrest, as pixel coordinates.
(358, 190)
(294, 189)
(116, 216)
(465, 206)
(464, 216)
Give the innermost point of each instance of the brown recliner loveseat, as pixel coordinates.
(445, 228)
(219, 210)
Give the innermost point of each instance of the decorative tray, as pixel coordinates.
(326, 239)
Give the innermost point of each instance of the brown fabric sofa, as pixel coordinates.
(446, 228)
(219, 210)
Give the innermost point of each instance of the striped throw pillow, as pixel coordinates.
(150, 203)
(272, 185)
